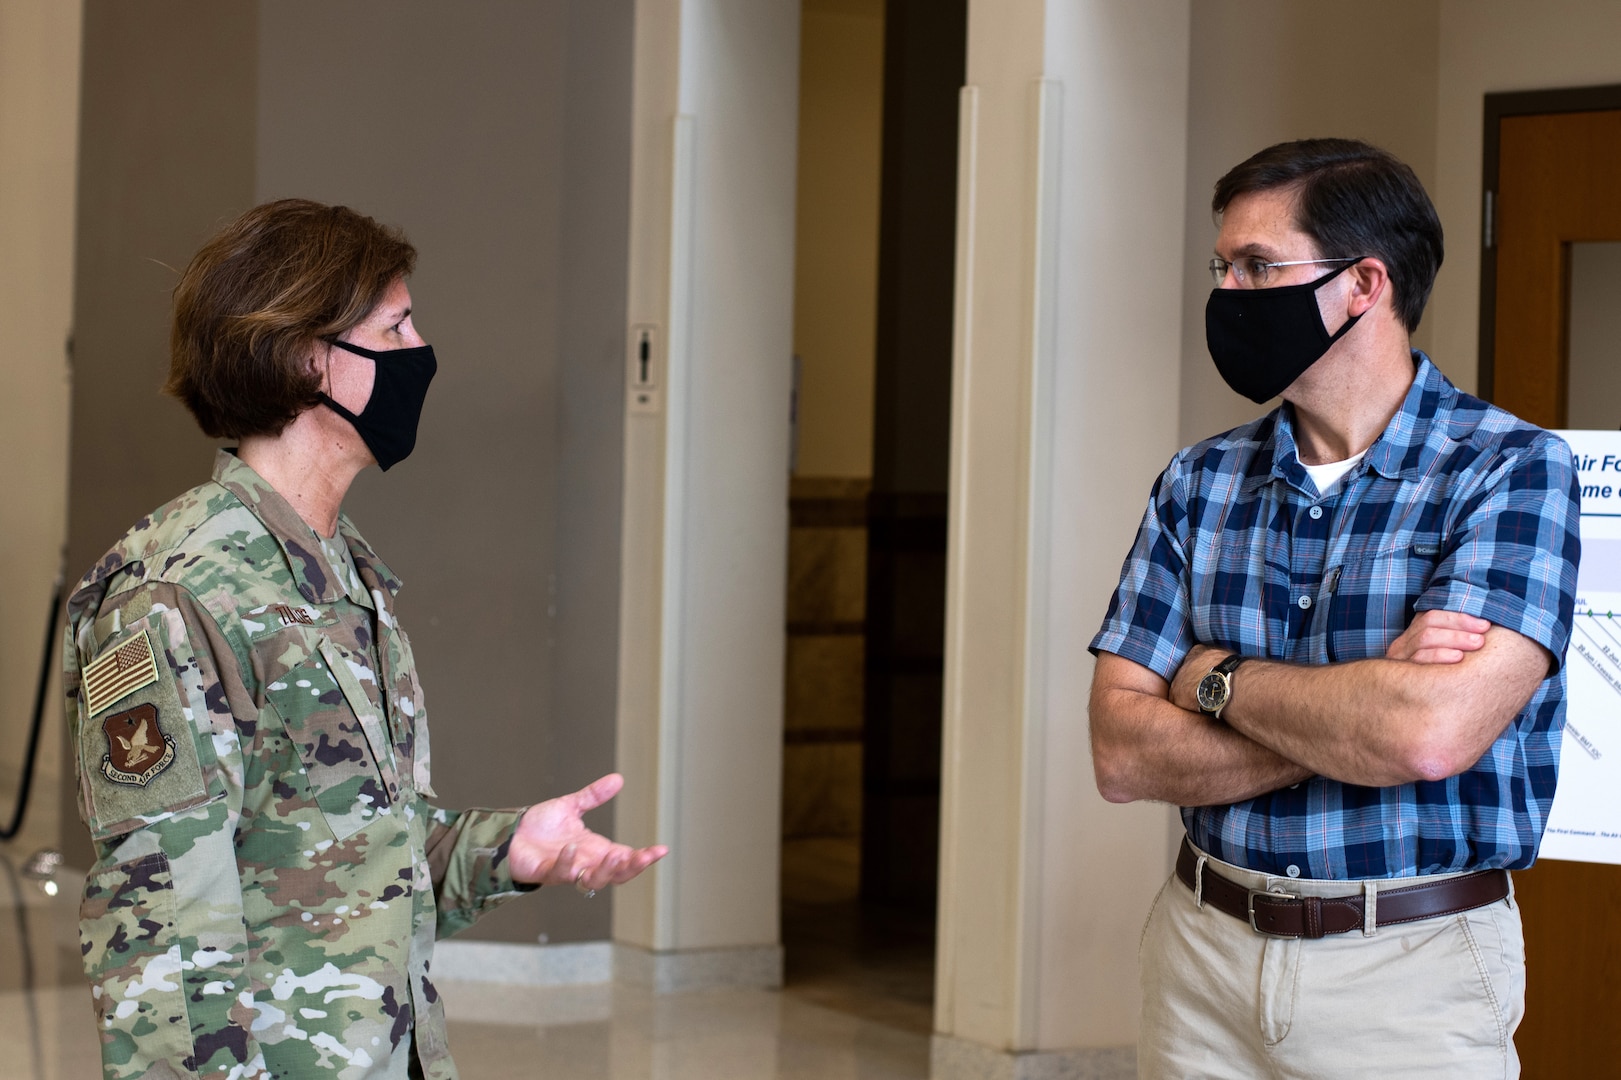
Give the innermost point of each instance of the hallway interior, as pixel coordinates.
(864, 960)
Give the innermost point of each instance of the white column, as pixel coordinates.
(706, 487)
(1069, 295)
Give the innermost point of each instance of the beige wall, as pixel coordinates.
(1487, 46)
(39, 105)
(841, 90)
(1262, 71)
(166, 154)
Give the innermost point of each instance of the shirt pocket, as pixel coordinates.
(340, 735)
(1375, 593)
(1231, 597)
(132, 957)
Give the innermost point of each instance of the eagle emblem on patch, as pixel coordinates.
(137, 749)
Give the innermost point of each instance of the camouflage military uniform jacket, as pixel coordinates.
(253, 762)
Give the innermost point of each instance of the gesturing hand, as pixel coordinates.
(552, 846)
(1439, 637)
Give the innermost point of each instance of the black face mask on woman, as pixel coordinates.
(1263, 339)
(388, 422)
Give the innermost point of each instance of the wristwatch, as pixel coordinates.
(1216, 688)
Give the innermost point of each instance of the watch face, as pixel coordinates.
(1212, 692)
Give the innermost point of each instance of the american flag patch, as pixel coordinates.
(114, 676)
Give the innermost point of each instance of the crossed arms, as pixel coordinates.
(1427, 710)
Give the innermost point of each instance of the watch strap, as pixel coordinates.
(1225, 669)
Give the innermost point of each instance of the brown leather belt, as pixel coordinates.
(1287, 915)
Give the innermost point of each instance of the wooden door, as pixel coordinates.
(1558, 182)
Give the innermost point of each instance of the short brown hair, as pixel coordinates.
(257, 297)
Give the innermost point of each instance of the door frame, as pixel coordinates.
(1497, 107)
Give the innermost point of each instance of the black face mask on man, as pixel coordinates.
(388, 422)
(1263, 339)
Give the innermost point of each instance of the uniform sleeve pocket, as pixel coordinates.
(412, 704)
(340, 739)
(141, 758)
(133, 960)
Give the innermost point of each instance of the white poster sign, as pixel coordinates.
(1585, 822)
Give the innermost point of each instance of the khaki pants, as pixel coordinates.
(1433, 999)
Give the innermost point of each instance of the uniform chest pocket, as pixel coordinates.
(340, 735)
(411, 737)
(1375, 594)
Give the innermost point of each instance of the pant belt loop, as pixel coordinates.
(1513, 905)
(1198, 883)
(1370, 907)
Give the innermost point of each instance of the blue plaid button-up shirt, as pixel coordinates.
(1458, 506)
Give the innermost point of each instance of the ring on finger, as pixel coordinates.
(579, 883)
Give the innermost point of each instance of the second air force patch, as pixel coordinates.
(137, 749)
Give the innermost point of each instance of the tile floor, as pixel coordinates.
(856, 1005)
(872, 962)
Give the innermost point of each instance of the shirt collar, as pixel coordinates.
(1420, 428)
(317, 580)
(1406, 448)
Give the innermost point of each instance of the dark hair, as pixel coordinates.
(257, 297)
(1352, 199)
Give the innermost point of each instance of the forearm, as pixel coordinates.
(1365, 722)
(1382, 722)
(1144, 747)
(468, 857)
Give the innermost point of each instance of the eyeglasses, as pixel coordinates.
(1252, 272)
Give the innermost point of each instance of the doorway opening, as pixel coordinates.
(879, 85)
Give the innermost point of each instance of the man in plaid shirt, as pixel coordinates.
(1338, 644)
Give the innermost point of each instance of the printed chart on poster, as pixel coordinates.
(1585, 822)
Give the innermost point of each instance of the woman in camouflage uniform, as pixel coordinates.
(252, 742)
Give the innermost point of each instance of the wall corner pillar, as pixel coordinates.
(1067, 359)
(703, 582)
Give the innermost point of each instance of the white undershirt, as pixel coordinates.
(1327, 477)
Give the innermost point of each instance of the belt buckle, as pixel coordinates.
(1250, 904)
